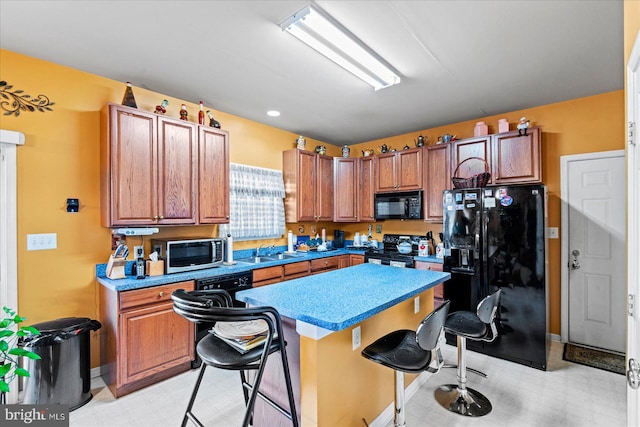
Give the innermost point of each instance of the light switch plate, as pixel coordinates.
(39, 242)
(416, 305)
(552, 232)
(378, 228)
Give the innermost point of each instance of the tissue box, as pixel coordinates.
(155, 268)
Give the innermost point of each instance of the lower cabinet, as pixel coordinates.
(143, 340)
(356, 259)
(438, 290)
(324, 264)
(267, 275)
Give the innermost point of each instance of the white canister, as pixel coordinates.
(423, 248)
(356, 239)
(440, 250)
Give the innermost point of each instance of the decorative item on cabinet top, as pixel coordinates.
(523, 126)
(301, 142)
(183, 112)
(346, 151)
(213, 122)
(128, 99)
(421, 141)
(321, 149)
(368, 152)
(162, 108)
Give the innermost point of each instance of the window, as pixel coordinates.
(256, 203)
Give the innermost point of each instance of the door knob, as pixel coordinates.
(633, 374)
(575, 264)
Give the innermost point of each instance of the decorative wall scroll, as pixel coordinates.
(14, 101)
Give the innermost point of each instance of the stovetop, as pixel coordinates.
(390, 241)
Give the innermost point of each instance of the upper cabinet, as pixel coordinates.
(150, 169)
(437, 178)
(345, 193)
(366, 188)
(399, 171)
(213, 168)
(464, 149)
(308, 182)
(511, 158)
(516, 158)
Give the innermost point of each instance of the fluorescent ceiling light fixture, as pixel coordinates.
(319, 30)
(273, 113)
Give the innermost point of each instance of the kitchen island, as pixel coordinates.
(335, 386)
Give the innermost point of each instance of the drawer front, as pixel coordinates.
(324, 263)
(296, 268)
(433, 266)
(155, 294)
(267, 273)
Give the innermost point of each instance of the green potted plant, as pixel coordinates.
(10, 353)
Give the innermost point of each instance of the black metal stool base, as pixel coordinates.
(466, 402)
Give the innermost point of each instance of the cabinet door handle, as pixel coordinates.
(161, 293)
(155, 218)
(161, 217)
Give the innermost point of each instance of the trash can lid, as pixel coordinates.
(64, 324)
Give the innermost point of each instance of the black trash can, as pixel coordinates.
(63, 374)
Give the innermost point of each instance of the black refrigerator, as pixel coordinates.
(494, 238)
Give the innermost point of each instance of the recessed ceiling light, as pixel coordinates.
(273, 113)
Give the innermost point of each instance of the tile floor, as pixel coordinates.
(566, 395)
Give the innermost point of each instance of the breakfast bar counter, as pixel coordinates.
(328, 319)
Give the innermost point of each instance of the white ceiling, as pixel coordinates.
(459, 60)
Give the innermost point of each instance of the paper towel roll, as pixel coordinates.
(324, 235)
(289, 241)
(229, 248)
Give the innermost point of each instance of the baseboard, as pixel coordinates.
(555, 337)
(96, 372)
(386, 416)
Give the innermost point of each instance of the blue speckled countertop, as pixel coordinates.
(130, 282)
(341, 298)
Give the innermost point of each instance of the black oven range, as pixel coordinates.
(389, 253)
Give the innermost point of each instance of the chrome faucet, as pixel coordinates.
(258, 249)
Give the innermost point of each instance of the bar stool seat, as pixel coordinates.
(212, 306)
(479, 326)
(410, 351)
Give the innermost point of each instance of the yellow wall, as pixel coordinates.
(594, 123)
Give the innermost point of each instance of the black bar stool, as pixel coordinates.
(480, 326)
(410, 351)
(216, 306)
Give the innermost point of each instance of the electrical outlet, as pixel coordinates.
(355, 337)
(416, 305)
(138, 252)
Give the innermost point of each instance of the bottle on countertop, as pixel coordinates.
(201, 114)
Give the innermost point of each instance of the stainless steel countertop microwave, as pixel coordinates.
(190, 253)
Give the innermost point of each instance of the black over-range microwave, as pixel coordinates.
(188, 254)
(405, 205)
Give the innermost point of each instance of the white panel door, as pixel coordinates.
(597, 260)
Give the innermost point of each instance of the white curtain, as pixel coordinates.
(256, 203)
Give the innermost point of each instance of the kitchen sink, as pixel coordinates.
(255, 259)
(266, 258)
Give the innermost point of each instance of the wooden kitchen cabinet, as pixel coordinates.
(296, 269)
(152, 170)
(343, 261)
(213, 173)
(324, 264)
(366, 188)
(438, 290)
(437, 178)
(345, 194)
(143, 340)
(356, 259)
(516, 158)
(399, 171)
(267, 275)
(471, 147)
(308, 182)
